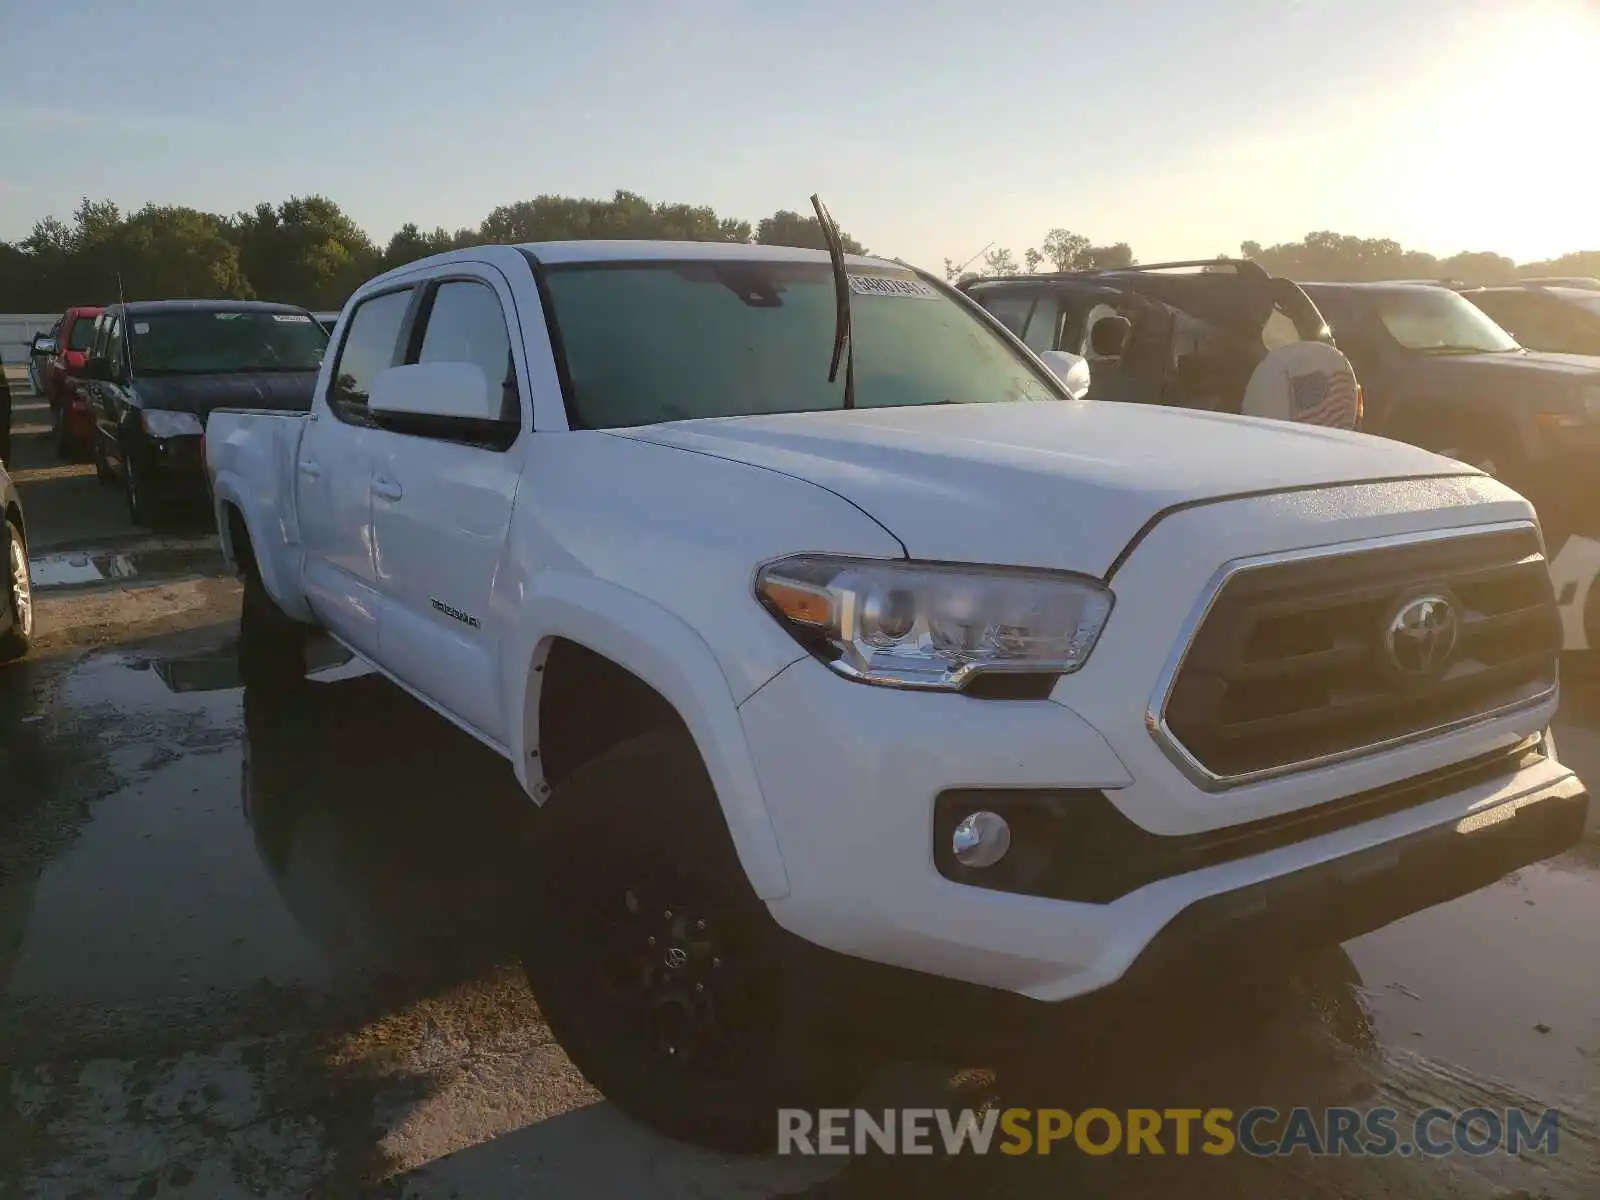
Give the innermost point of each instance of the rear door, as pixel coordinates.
(333, 475)
(442, 500)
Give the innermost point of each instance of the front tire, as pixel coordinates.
(15, 641)
(656, 965)
(102, 469)
(141, 509)
(58, 434)
(272, 644)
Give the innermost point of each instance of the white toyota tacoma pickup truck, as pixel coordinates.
(928, 687)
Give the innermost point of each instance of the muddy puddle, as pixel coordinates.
(330, 843)
(59, 570)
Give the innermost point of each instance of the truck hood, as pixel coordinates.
(1063, 485)
(199, 394)
(1529, 375)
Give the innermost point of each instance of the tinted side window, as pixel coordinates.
(371, 344)
(1010, 310)
(82, 333)
(112, 349)
(466, 324)
(1033, 316)
(1043, 323)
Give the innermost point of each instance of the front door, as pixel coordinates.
(441, 511)
(333, 476)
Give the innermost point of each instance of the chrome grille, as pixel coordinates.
(1291, 661)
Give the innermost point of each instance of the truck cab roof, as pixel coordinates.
(598, 250)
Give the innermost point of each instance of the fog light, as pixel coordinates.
(981, 839)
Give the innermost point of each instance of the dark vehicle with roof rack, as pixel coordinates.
(156, 370)
(1190, 333)
(1442, 374)
(1557, 319)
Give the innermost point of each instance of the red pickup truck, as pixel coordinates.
(71, 419)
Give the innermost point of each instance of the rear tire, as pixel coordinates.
(15, 641)
(58, 434)
(272, 644)
(141, 510)
(656, 965)
(102, 470)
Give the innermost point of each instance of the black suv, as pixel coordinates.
(1185, 333)
(1439, 373)
(158, 367)
(1562, 320)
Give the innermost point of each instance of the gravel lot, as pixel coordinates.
(255, 949)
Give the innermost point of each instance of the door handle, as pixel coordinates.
(387, 489)
(309, 469)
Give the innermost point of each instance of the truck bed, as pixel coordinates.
(250, 458)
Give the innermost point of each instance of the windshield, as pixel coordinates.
(649, 342)
(82, 335)
(221, 343)
(1435, 321)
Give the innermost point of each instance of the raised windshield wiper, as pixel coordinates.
(843, 343)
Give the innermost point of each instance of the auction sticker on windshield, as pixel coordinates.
(291, 318)
(887, 285)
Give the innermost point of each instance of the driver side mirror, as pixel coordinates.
(1071, 369)
(451, 400)
(1109, 337)
(42, 344)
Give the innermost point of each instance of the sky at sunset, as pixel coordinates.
(930, 128)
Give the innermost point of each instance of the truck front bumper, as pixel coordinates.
(852, 776)
(1208, 954)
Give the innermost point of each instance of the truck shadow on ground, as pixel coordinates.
(398, 845)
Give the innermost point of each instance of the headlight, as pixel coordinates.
(919, 625)
(161, 423)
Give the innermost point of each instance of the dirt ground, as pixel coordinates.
(263, 949)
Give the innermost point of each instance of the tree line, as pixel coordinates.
(1324, 256)
(306, 250)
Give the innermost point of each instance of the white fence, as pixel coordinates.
(17, 330)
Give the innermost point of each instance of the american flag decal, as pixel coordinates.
(1323, 398)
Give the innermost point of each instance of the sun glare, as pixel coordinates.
(1508, 155)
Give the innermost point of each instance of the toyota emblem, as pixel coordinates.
(1421, 637)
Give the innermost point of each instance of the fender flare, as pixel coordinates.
(666, 653)
(228, 490)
